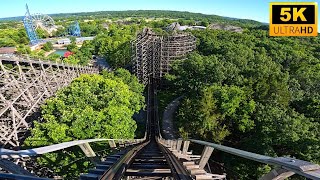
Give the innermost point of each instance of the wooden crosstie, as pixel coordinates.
(24, 85)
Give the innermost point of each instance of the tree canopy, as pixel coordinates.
(251, 92)
(92, 106)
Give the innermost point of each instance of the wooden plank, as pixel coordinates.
(205, 156)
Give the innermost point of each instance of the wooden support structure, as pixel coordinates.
(174, 144)
(24, 85)
(277, 174)
(185, 147)
(112, 144)
(179, 143)
(153, 54)
(87, 150)
(205, 156)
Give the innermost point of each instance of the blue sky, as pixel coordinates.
(247, 9)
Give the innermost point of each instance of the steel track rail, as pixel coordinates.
(119, 168)
(179, 172)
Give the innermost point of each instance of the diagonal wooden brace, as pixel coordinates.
(277, 174)
(205, 156)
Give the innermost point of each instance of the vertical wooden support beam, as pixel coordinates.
(205, 156)
(126, 143)
(277, 174)
(171, 143)
(174, 144)
(121, 143)
(179, 143)
(112, 144)
(185, 147)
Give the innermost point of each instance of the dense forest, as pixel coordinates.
(142, 14)
(244, 90)
(252, 92)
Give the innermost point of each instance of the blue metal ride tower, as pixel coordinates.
(74, 29)
(30, 29)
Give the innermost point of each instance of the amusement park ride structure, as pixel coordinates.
(32, 22)
(26, 84)
(152, 54)
(28, 25)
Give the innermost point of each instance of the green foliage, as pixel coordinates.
(92, 28)
(81, 56)
(72, 60)
(42, 34)
(139, 16)
(13, 37)
(47, 46)
(22, 49)
(7, 42)
(72, 47)
(220, 110)
(59, 32)
(73, 39)
(53, 57)
(251, 92)
(93, 106)
(115, 46)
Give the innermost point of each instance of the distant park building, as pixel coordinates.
(64, 41)
(153, 54)
(7, 50)
(78, 40)
(177, 27)
(226, 27)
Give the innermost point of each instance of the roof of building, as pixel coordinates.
(67, 54)
(7, 50)
(175, 26)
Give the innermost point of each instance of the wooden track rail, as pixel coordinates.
(182, 162)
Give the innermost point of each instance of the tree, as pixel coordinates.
(42, 34)
(47, 46)
(218, 111)
(251, 92)
(73, 39)
(54, 57)
(59, 32)
(93, 106)
(12, 37)
(72, 47)
(115, 46)
(22, 49)
(7, 42)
